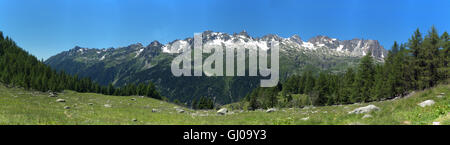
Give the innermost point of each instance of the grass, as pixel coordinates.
(18, 106)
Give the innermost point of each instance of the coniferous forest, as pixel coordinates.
(419, 64)
(18, 68)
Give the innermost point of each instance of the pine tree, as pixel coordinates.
(321, 88)
(110, 90)
(364, 78)
(379, 89)
(430, 57)
(444, 69)
(309, 82)
(348, 89)
(415, 44)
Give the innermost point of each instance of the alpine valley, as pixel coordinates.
(137, 63)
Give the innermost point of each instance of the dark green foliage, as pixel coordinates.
(364, 78)
(421, 63)
(19, 68)
(203, 103)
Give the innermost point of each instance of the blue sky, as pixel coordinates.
(47, 27)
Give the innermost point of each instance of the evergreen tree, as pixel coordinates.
(348, 89)
(321, 88)
(364, 78)
(415, 44)
(444, 69)
(430, 57)
(379, 90)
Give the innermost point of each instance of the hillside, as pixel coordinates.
(18, 106)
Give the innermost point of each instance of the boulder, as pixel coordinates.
(222, 111)
(439, 96)
(108, 105)
(155, 110)
(180, 110)
(133, 99)
(426, 103)
(365, 109)
(60, 100)
(304, 119)
(90, 104)
(367, 116)
(406, 122)
(271, 110)
(66, 107)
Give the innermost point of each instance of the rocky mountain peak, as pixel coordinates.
(296, 39)
(271, 37)
(321, 39)
(154, 44)
(244, 33)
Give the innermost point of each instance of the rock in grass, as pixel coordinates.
(436, 123)
(90, 104)
(365, 109)
(304, 119)
(271, 110)
(66, 107)
(134, 120)
(367, 116)
(180, 110)
(439, 96)
(133, 99)
(108, 105)
(155, 110)
(426, 103)
(222, 111)
(406, 122)
(442, 94)
(60, 100)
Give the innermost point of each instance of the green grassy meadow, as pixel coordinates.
(21, 107)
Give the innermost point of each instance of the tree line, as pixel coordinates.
(419, 64)
(20, 69)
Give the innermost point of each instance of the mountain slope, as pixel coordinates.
(137, 63)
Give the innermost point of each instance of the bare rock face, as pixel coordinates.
(365, 109)
(426, 103)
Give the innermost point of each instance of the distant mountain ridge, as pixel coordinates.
(138, 63)
(355, 47)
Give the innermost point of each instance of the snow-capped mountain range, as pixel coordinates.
(318, 44)
(137, 63)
